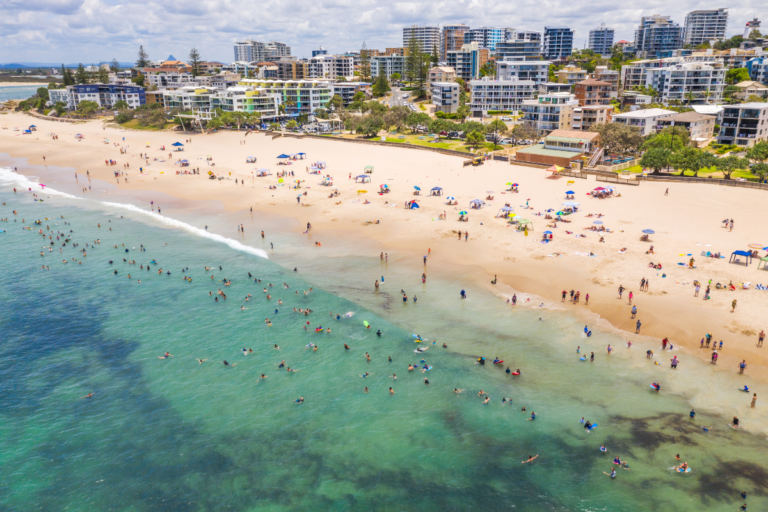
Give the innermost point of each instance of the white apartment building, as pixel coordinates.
(347, 90)
(550, 112)
(441, 74)
(255, 51)
(175, 79)
(601, 40)
(501, 95)
(704, 26)
(105, 95)
(646, 120)
(196, 99)
(584, 117)
(445, 96)
(330, 66)
(675, 77)
(524, 45)
(246, 99)
(744, 125)
(536, 70)
(387, 65)
(429, 37)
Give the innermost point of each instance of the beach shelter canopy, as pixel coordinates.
(414, 204)
(598, 222)
(570, 203)
(549, 210)
(283, 156)
(32, 126)
(436, 188)
(506, 208)
(547, 232)
(262, 170)
(27, 131)
(476, 201)
(177, 144)
(555, 168)
(524, 221)
(301, 153)
(321, 163)
(184, 161)
(764, 261)
(735, 257)
(368, 168)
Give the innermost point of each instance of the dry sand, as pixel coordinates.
(687, 221)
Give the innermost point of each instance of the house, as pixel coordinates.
(585, 117)
(646, 120)
(749, 88)
(744, 125)
(565, 148)
(441, 74)
(593, 92)
(445, 96)
(571, 74)
(701, 127)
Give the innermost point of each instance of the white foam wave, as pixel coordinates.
(10, 178)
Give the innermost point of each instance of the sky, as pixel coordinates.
(90, 31)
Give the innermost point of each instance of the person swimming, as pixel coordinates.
(603, 449)
(378, 333)
(299, 400)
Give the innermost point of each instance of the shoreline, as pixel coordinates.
(665, 311)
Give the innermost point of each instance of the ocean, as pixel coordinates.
(18, 92)
(176, 434)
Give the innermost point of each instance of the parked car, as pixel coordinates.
(506, 119)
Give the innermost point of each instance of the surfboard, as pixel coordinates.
(366, 324)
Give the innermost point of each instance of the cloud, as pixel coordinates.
(96, 30)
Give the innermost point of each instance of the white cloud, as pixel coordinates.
(93, 30)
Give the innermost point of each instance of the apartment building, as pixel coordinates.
(320, 51)
(246, 99)
(694, 74)
(570, 74)
(744, 125)
(758, 69)
(487, 37)
(733, 57)
(535, 70)
(563, 147)
(468, 61)
(298, 96)
(399, 51)
(330, 66)
(601, 40)
(166, 79)
(196, 99)
(604, 74)
(524, 45)
(701, 127)
(347, 90)
(585, 117)
(387, 65)
(705, 26)
(292, 69)
(591, 92)
(749, 88)
(451, 39)
(253, 51)
(558, 43)
(657, 34)
(501, 95)
(105, 95)
(647, 120)
(550, 112)
(550, 87)
(445, 96)
(441, 74)
(428, 37)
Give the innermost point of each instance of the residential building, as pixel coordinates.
(634, 98)
(196, 99)
(387, 65)
(428, 37)
(320, 51)
(267, 70)
(744, 125)
(657, 34)
(558, 43)
(501, 95)
(733, 57)
(549, 87)
(525, 45)
(166, 79)
(535, 70)
(451, 39)
(585, 117)
(646, 120)
(171, 64)
(445, 96)
(705, 26)
(564, 147)
(330, 66)
(154, 97)
(399, 51)
(611, 76)
(355, 57)
(487, 37)
(371, 52)
(225, 80)
(468, 61)
(684, 79)
(758, 69)
(347, 90)
(247, 99)
(593, 92)
(105, 95)
(550, 112)
(441, 74)
(298, 96)
(292, 69)
(623, 44)
(601, 40)
(275, 50)
(570, 74)
(210, 67)
(253, 51)
(749, 88)
(710, 110)
(700, 127)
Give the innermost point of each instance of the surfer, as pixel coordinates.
(531, 458)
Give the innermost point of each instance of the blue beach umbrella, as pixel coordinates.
(549, 210)
(417, 188)
(570, 192)
(649, 231)
(451, 198)
(547, 232)
(283, 156)
(177, 144)
(598, 222)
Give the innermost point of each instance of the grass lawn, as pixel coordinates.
(455, 145)
(134, 125)
(703, 173)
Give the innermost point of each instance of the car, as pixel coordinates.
(506, 119)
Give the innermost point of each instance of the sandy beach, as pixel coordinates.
(687, 221)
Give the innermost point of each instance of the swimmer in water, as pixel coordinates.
(90, 395)
(366, 375)
(299, 400)
(482, 393)
(531, 458)
(263, 376)
(201, 361)
(457, 391)
(346, 347)
(487, 399)
(391, 391)
(225, 363)
(393, 377)
(165, 356)
(276, 347)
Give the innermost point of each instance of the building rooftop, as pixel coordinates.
(688, 117)
(750, 105)
(712, 110)
(539, 149)
(646, 113)
(748, 83)
(577, 135)
(592, 81)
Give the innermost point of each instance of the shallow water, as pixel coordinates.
(18, 92)
(177, 435)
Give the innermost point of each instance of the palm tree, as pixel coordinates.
(707, 94)
(690, 97)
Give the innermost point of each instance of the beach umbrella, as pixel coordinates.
(509, 183)
(283, 156)
(506, 208)
(570, 192)
(570, 203)
(559, 213)
(177, 144)
(549, 210)
(384, 186)
(755, 246)
(514, 184)
(598, 222)
(570, 183)
(417, 188)
(451, 198)
(599, 188)
(512, 215)
(547, 232)
(462, 212)
(649, 232)
(281, 180)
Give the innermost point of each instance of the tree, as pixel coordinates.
(754, 34)
(416, 119)
(758, 152)
(475, 138)
(736, 75)
(336, 102)
(370, 125)
(688, 159)
(417, 65)
(274, 127)
(88, 107)
(621, 139)
(462, 112)
(374, 107)
(690, 97)
(114, 66)
(395, 118)
(42, 92)
(728, 93)
(102, 76)
(120, 105)
(656, 159)
(364, 69)
(138, 80)
(81, 76)
(729, 164)
(143, 59)
(435, 57)
(60, 107)
(66, 76)
(673, 138)
(440, 125)
(524, 132)
(396, 77)
(497, 126)
(380, 86)
(760, 170)
(754, 98)
(488, 69)
(214, 123)
(291, 125)
(194, 61)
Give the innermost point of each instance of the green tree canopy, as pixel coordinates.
(758, 152)
(336, 102)
(735, 75)
(114, 66)
(120, 105)
(475, 138)
(619, 138)
(380, 86)
(143, 58)
(88, 107)
(656, 158)
(673, 138)
(81, 76)
(370, 125)
(729, 164)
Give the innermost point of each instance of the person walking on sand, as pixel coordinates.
(637, 327)
(621, 290)
(459, 235)
(742, 365)
(466, 236)
(565, 293)
(630, 297)
(733, 306)
(666, 192)
(760, 338)
(586, 300)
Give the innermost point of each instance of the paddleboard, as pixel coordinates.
(733, 427)
(350, 314)
(653, 387)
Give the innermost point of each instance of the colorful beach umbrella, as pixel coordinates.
(451, 198)
(755, 246)
(462, 212)
(281, 180)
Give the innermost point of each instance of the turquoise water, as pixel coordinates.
(173, 434)
(18, 92)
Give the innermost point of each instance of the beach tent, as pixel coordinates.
(301, 154)
(547, 232)
(649, 232)
(368, 169)
(177, 144)
(477, 202)
(525, 223)
(570, 203)
(414, 205)
(735, 257)
(283, 156)
(504, 211)
(436, 191)
(27, 131)
(362, 178)
(764, 261)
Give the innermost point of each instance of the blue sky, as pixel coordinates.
(93, 30)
